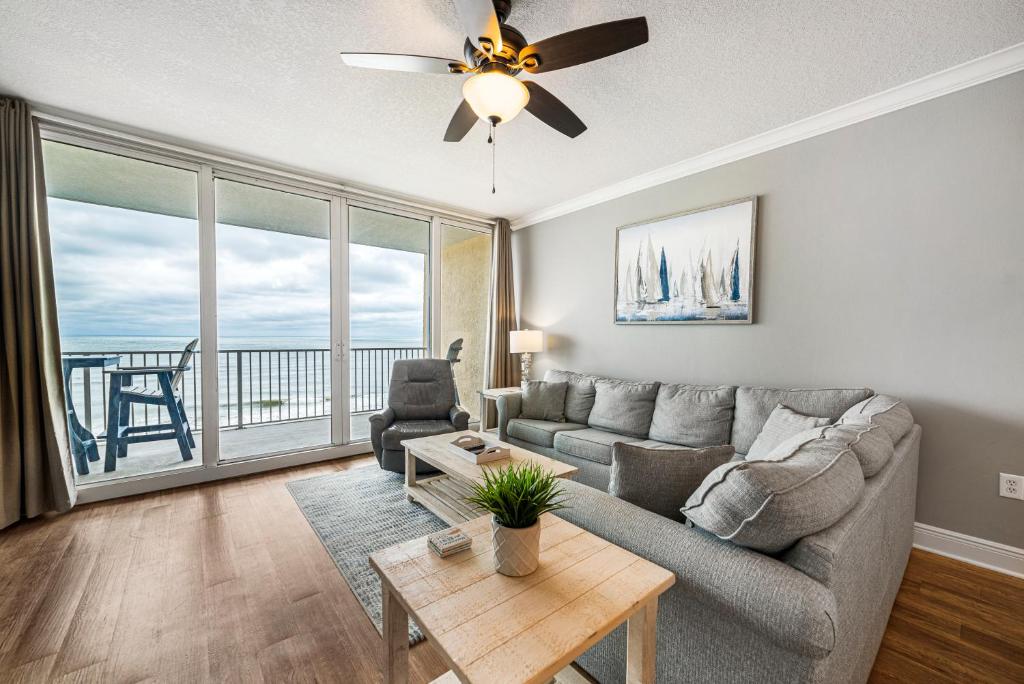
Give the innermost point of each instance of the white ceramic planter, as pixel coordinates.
(516, 550)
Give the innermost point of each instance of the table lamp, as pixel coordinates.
(525, 342)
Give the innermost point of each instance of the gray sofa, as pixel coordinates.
(815, 612)
(422, 401)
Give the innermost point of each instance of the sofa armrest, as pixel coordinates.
(459, 417)
(509, 407)
(379, 422)
(767, 596)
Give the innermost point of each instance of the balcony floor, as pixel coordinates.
(156, 457)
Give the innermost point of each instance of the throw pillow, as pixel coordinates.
(782, 424)
(768, 505)
(544, 401)
(755, 404)
(870, 444)
(661, 480)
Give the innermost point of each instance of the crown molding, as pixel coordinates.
(1008, 560)
(974, 72)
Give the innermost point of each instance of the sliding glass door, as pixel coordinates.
(273, 320)
(389, 314)
(212, 318)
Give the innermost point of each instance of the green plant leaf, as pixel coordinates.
(518, 494)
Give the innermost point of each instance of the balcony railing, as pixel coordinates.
(256, 386)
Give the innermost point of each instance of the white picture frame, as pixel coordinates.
(692, 267)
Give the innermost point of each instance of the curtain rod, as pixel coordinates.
(64, 122)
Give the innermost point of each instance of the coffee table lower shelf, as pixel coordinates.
(445, 497)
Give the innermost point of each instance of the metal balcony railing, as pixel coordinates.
(256, 386)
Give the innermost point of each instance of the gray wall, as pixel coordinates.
(890, 254)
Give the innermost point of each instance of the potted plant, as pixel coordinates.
(516, 496)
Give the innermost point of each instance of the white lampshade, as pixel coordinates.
(525, 341)
(495, 95)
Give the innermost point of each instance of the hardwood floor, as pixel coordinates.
(227, 582)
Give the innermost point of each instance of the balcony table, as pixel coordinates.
(83, 441)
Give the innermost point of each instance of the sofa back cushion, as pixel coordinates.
(422, 389)
(870, 443)
(543, 400)
(782, 424)
(804, 486)
(755, 404)
(887, 412)
(661, 480)
(579, 394)
(693, 415)
(624, 408)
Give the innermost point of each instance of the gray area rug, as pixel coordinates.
(357, 512)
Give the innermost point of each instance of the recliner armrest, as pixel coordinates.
(384, 418)
(379, 422)
(509, 407)
(459, 417)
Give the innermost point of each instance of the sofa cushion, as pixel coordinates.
(590, 444)
(755, 404)
(782, 424)
(579, 395)
(623, 407)
(543, 400)
(889, 412)
(870, 443)
(693, 415)
(539, 432)
(661, 480)
(392, 437)
(806, 485)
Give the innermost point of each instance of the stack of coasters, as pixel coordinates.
(448, 542)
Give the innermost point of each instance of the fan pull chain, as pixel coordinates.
(493, 139)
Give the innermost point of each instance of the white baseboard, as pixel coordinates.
(981, 552)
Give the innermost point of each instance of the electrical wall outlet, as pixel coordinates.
(1011, 486)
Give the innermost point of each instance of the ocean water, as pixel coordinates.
(280, 378)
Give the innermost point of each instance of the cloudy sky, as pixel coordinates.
(122, 272)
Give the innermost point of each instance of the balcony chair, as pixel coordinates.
(166, 394)
(421, 402)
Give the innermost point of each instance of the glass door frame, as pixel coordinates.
(338, 230)
(209, 167)
(429, 289)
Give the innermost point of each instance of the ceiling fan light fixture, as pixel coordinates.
(495, 96)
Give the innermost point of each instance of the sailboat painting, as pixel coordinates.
(693, 267)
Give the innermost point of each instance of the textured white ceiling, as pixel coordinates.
(264, 79)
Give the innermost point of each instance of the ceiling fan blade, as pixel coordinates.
(584, 45)
(415, 63)
(553, 111)
(480, 22)
(461, 122)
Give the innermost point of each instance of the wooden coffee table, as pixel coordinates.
(518, 630)
(445, 495)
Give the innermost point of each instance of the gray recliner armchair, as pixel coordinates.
(422, 401)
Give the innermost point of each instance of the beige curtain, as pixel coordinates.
(504, 368)
(35, 462)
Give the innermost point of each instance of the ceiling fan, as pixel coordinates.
(496, 53)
